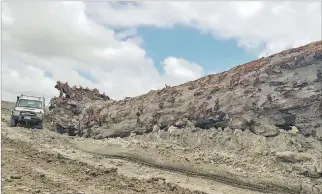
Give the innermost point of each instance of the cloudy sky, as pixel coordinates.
(128, 48)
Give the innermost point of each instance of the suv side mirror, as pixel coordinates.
(17, 100)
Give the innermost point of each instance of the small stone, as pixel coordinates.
(119, 164)
(160, 182)
(172, 129)
(265, 153)
(110, 170)
(156, 179)
(237, 131)
(180, 124)
(132, 134)
(156, 128)
(15, 177)
(227, 129)
(92, 123)
(59, 156)
(209, 97)
(172, 186)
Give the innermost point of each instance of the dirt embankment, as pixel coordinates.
(264, 96)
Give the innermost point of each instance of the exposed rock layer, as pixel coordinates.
(282, 91)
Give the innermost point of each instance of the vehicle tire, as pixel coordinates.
(41, 125)
(13, 122)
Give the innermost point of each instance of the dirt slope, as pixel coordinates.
(264, 96)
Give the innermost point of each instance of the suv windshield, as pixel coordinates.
(30, 103)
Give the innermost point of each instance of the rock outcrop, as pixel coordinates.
(279, 92)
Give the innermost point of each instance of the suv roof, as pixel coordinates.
(31, 97)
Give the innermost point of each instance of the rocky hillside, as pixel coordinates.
(266, 96)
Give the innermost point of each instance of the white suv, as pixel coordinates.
(28, 110)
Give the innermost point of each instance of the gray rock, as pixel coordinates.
(238, 123)
(311, 171)
(267, 130)
(318, 134)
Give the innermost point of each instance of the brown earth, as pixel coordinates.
(265, 96)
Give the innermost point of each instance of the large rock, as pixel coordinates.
(264, 127)
(284, 88)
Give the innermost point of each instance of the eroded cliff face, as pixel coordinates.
(264, 96)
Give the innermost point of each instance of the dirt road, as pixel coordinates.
(43, 162)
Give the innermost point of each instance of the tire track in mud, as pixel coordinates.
(60, 174)
(222, 177)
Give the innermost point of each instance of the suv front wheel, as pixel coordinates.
(13, 122)
(41, 125)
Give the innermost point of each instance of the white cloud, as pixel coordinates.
(179, 70)
(62, 39)
(101, 39)
(248, 9)
(253, 24)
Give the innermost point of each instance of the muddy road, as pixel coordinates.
(41, 161)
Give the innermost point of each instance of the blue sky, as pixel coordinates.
(212, 54)
(86, 75)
